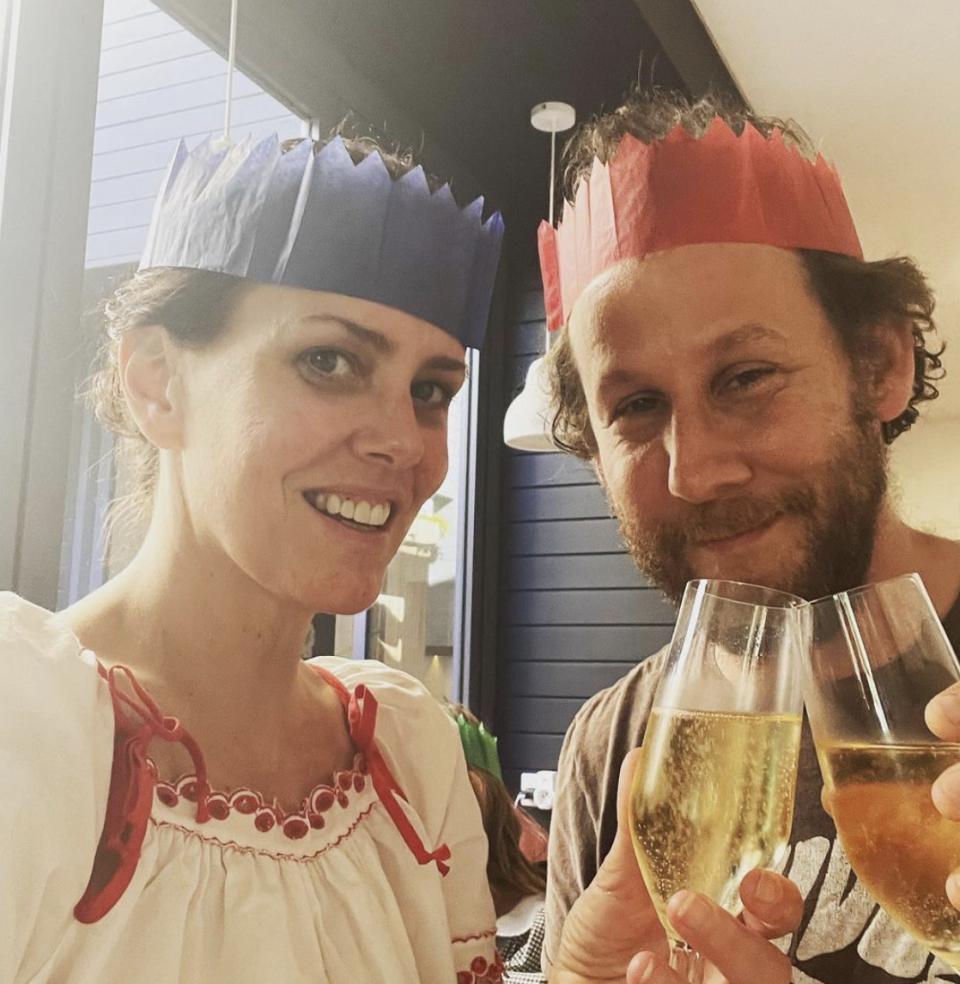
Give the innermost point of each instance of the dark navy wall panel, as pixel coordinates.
(575, 615)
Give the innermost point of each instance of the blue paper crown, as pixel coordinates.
(322, 222)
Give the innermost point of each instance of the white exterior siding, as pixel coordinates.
(158, 83)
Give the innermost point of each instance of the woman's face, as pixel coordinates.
(313, 431)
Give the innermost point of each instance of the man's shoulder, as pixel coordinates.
(618, 712)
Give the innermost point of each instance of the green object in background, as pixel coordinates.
(479, 746)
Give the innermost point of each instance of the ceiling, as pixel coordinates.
(876, 83)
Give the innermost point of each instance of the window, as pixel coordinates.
(158, 84)
(416, 622)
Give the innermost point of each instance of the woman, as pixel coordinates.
(185, 799)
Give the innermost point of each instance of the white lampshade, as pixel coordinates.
(526, 426)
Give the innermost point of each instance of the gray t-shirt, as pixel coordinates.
(844, 937)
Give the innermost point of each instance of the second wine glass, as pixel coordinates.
(713, 795)
(879, 654)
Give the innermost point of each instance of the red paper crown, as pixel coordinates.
(719, 189)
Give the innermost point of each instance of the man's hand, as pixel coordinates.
(943, 719)
(612, 933)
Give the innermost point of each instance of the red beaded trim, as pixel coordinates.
(266, 815)
(482, 971)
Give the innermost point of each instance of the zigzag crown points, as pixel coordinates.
(321, 221)
(719, 188)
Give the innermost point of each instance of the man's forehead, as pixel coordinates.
(719, 293)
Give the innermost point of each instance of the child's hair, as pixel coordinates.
(508, 870)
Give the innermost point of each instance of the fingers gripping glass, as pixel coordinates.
(713, 794)
(878, 655)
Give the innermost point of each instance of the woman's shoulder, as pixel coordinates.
(47, 679)
(392, 688)
(411, 722)
(56, 754)
(29, 632)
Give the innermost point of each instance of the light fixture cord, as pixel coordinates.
(231, 65)
(553, 182)
(553, 169)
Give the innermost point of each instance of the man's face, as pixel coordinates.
(731, 439)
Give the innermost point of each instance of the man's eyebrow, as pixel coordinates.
(614, 379)
(752, 331)
(363, 334)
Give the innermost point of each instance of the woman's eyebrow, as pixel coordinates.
(366, 335)
(443, 363)
(382, 344)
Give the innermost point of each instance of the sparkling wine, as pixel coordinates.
(711, 800)
(901, 848)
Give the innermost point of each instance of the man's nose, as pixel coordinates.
(706, 457)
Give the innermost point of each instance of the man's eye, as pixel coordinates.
(327, 362)
(638, 406)
(432, 394)
(749, 378)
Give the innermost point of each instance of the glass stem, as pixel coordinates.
(687, 963)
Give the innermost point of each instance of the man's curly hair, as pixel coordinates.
(857, 296)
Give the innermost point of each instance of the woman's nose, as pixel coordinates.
(391, 433)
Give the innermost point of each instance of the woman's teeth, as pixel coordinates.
(360, 512)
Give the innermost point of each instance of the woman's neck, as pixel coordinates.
(191, 623)
(224, 656)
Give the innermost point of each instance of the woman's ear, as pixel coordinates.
(148, 373)
(892, 368)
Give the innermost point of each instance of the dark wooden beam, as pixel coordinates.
(282, 45)
(688, 44)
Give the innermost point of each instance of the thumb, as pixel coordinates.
(620, 876)
(615, 918)
(942, 714)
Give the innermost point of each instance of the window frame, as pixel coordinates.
(49, 71)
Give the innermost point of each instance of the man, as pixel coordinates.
(734, 371)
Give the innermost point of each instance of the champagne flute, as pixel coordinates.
(713, 794)
(878, 655)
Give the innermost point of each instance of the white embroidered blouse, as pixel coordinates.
(222, 886)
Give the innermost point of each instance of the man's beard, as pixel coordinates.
(837, 510)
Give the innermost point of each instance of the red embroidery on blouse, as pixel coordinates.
(362, 716)
(485, 935)
(482, 971)
(133, 780)
(295, 824)
(189, 832)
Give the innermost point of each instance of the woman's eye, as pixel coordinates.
(328, 362)
(432, 394)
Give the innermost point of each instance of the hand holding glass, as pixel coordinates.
(713, 795)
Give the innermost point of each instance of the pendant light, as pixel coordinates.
(527, 424)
